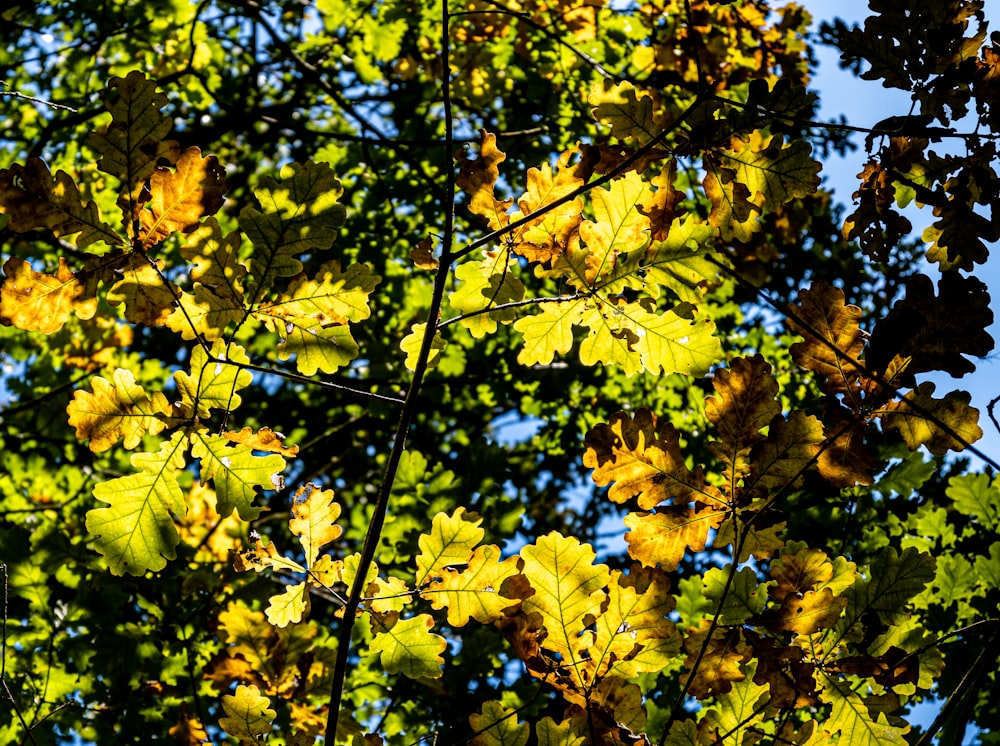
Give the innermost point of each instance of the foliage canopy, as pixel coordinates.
(278, 277)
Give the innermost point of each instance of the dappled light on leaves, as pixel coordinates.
(606, 423)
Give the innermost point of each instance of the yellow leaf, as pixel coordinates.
(449, 542)
(550, 332)
(475, 591)
(247, 714)
(790, 447)
(619, 226)
(661, 538)
(633, 635)
(388, 594)
(147, 297)
(484, 285)
(118, 408)
(37, 302)
(290, 606)
(412, 343)
(568, 592)
(545, 238)
(180, 197)
(314, 515)
(809, 612)
(136, 531)
(212, 384)
(477, 177)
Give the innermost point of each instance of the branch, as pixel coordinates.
(375, 525)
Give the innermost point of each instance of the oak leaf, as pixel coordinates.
(628, 111)
(408, 646)
(678, 261)
(181, 196)
(473, 592)
(136, 531)
(496, 725)
(722, 663)
(314, 516)
(300, 213)
(662, 537)
(450, 541)
(640, 456)
(148, 297)
(568, 592)
(618, 228)
(743, 406)
(131, 146)
(545, 238)
(236, 472)
(117, 408)
(264, 439)
(922, 420)
(213, 382)
(833, 341)
(248, 714)
(38, 302)
(477, 178)
(35, 200)
(485, 284)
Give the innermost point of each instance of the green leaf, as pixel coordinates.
(745, 598)
(410, 647)
(136, 532)
(236, 472)
(977, 496)
(485, 286)
(212, 384)
(299, 213)
(496, 725)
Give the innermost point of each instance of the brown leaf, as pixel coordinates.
(477, 178)
(640, 457)
(35, 200)
(808, 612)
(916, 418)
(744, 405)
(875, 224)
(720, 665)
(828, 324)
(181, 196)
(264, 439)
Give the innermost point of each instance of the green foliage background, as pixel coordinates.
(112, 658)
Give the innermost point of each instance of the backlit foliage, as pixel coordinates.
(266, 303)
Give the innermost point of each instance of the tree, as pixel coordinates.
(275, 274)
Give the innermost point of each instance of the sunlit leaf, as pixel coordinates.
(117, 409)
(236, 472)
(409, 647)
(314, 516)
(922, 420)
(496, 725)
(181, 196)
(247, 714)
(136, 532)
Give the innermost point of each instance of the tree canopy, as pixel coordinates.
(493, 372)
